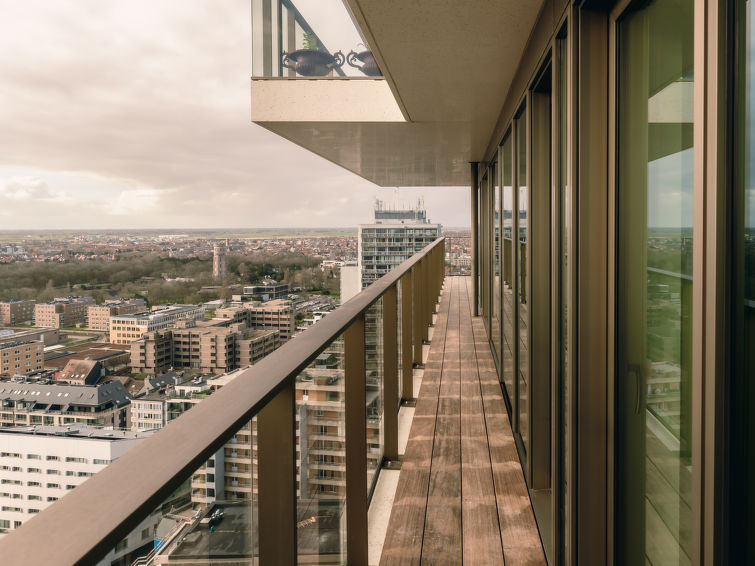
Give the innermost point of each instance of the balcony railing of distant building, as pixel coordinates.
(314, 463)
(285, 45)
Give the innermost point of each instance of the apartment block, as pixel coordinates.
(50, 336)
(211, 349)
(21, 357)
(149, 412)
(25, 402)
(99, 315)
(394, 237)
(63, 311)
(124, 329)
(277, 314)
(16, 312)
(41, 464)
(268, 290)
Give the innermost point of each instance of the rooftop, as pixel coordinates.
(13, 344)
(76, 431)
(65, 394)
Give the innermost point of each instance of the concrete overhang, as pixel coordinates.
(447, 69)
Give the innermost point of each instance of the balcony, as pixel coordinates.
(448, 449)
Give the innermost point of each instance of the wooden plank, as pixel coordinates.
(481, 531)
(519, 534)
(403, 542)
(442, 541)
(461, 493)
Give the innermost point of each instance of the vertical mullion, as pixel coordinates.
(356, 443)
(390, 374)
(276, 457)
(417, 313)
(407, 376)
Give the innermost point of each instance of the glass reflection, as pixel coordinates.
(742, 520)
(522, 272)
(654, 283)
(508, 267)
(495, 323)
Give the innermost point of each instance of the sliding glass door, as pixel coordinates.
(508, 277)
(742, 516)
(654, 214)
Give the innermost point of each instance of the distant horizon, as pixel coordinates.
(197, 230)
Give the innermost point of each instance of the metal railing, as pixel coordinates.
(83, 526)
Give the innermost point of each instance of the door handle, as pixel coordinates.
(636, 370)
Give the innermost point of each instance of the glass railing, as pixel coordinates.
(277, 466)
(308, 38)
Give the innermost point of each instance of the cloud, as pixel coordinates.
(28, 188)
(135, 201)
(152, 98)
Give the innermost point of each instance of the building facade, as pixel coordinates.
(63, 311)
(39, 402)
(277, 314)
(268, 290)
(211, 349)
(22, 357)
(394, 237)
(16, 312)
(99, 315)
(612, 165)
(40, 464)
(124, 329)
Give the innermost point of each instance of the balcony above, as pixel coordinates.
(414, 125)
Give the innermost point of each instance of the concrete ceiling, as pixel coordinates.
(449, 65)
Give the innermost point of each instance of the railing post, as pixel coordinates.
(276, 484)
(426, 291)
(356, 443)
(475, 235)
(390, 374)
(407, 375)
(417, 314)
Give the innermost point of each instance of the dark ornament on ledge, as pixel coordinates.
(311, 62)
(369, 66)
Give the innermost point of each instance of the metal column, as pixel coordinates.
(475, 229)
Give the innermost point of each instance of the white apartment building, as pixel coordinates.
(124, 329)
(394, 237)
(40, 464)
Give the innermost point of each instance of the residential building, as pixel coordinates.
(111, 356)
(124, 329)
(268, 290)
(27, 402)
(81, 372)
(16, 312)
(62, 311)
(611, 151)
(22, 357)
(41, 464)
(149, 412)
(50, 336)
(351, 280)
(211, 349)
(99, 315)
(394, 237)
(609, 320)
(277, 314)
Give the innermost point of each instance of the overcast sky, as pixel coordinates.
(135, 114)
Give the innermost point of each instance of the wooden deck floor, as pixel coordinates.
(461, 496)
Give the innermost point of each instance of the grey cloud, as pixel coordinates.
(155, 95)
